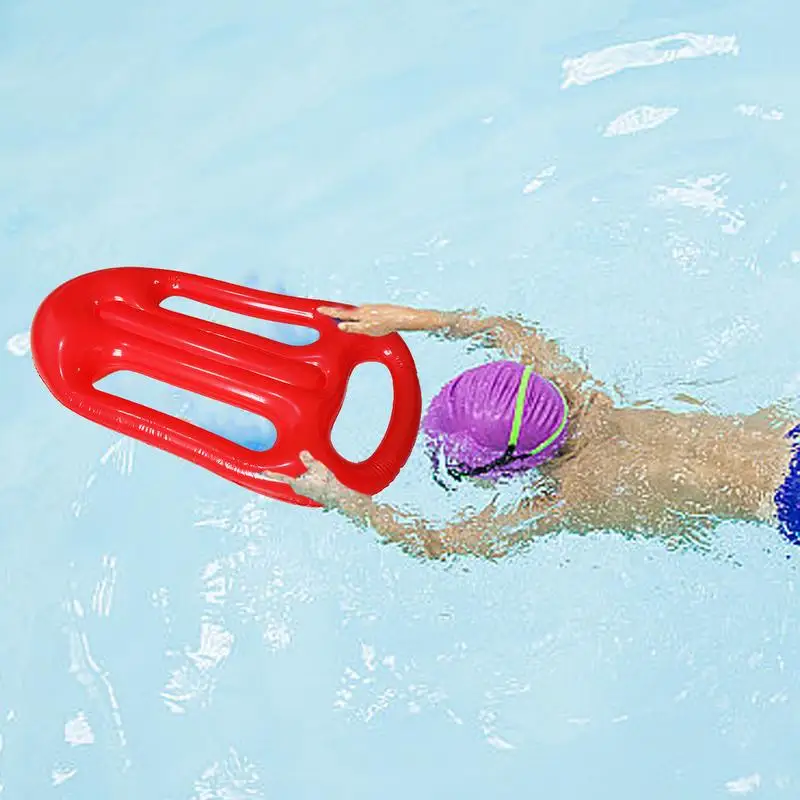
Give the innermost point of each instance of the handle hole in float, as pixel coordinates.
(295, 335)
(365, 413)
(235, 424)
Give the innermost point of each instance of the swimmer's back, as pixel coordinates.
(649, 469)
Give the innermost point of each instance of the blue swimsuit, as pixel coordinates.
(787, 498)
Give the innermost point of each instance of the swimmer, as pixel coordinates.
(593, 466)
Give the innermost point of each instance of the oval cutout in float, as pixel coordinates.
(296, 335)
(365, 413)
(235, 424)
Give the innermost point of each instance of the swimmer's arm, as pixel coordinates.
(488, 533)
(516, 339)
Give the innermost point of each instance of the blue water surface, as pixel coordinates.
(621, 171)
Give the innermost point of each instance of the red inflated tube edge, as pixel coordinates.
(66, 326)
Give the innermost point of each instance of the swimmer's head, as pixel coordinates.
(494, 421)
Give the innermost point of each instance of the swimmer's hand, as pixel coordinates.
(381, 319)
(317, 483)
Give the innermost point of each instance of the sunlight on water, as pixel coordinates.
(623, 173)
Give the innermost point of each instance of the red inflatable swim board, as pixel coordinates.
(112, 320)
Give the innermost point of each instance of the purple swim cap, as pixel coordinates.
(472, 420)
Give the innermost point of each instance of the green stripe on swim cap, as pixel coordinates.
(520, 407)
(561, 425)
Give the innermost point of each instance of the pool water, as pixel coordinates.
(620, 171)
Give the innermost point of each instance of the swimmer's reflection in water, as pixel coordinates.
(593, 466)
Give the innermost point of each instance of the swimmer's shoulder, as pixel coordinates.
(591, 423)
(591, 411)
